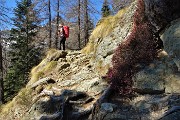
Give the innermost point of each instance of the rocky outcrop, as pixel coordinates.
(159, 77)
(163, 74)
(104, 46)
(42, 81)
(171, 40)
(143, 107)
(162, 12)
(66, 91)
(60, 106)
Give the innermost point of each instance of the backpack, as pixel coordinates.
(66, 30)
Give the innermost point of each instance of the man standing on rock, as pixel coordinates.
(61, 35)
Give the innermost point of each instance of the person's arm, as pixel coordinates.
(63, 31)
(58, 33)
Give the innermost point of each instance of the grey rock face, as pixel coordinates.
(56, 55)
(42, 81)
(107, 107)
(171, 41)
(142, 107)
(106, 46)
(164, 76)
(159, 77)
(161, 12)
(151, 79)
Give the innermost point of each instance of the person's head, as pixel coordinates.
(60, 25)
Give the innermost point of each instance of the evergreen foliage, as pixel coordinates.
(105, 9)
(23, 53)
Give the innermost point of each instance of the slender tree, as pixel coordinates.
(42, 37)
(79, 15)
(86, 22)
(4, 18)
(105, 9)
(79, 24)
(1, 75)
(50, 27)
(57, 23)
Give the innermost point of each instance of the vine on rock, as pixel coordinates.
(138, 48)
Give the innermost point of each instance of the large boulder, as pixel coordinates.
(161, 76)
(171, 41)
(161, 12)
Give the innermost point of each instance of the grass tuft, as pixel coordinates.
(104, 27)
(44, 67)
(24, 98)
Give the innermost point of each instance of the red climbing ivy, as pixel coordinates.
(138, 48)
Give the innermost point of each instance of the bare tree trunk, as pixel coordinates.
(57, 23)
(79, 29)
(50, 30)
(86, 21)
(1, 75)
(27, 47)
(5, 62)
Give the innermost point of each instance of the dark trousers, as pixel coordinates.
(62, 42)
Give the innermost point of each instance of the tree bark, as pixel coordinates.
(79, 29)
(86, 21)
(50, 30)
(1, 75)
(57, 23)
